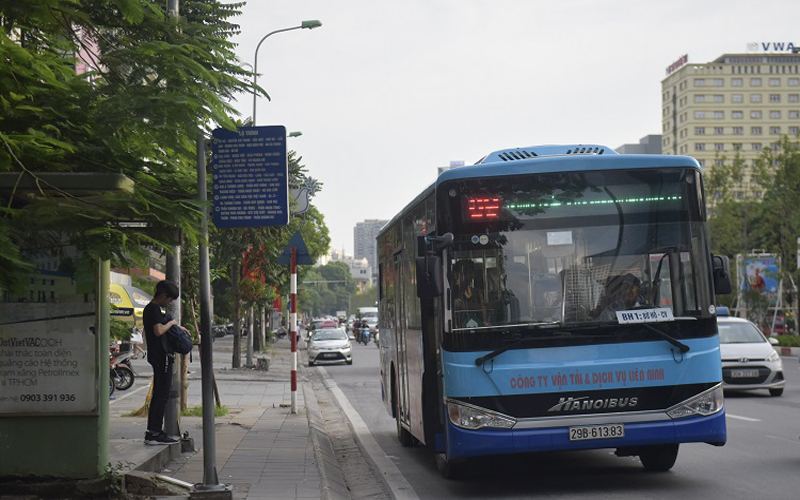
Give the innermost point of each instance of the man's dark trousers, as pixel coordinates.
(162, 383)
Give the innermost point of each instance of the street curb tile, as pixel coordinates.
(333, 485)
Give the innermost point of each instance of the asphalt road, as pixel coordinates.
(760, 461)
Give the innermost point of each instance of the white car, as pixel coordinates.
(329, 345)
(749, 360)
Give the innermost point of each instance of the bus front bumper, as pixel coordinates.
(464, 443)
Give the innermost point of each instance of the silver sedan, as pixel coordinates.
(329, 345)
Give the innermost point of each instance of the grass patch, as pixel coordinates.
(197, 411)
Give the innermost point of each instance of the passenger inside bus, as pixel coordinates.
(470, 306)
(622, 292)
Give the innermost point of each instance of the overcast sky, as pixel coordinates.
(386, 91)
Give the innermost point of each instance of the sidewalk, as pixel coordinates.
(262, 449)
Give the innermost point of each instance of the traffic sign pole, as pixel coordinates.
(293, 329)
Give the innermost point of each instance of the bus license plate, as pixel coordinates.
(744, 373)
(612, 431)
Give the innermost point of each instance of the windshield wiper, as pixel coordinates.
(479, 361)
(672, 340)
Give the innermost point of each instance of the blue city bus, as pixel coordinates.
(553, 298)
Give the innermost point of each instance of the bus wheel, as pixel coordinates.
(405, 437)
(451, 469)
(659, 458)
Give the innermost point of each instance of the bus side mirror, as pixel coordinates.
(722, 274)
(429, 276)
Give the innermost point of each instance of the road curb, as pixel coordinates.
(332, 485)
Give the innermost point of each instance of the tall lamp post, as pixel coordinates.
(304, 25)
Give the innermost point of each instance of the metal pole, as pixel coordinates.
(263, 333)
(293, 329)
(250, 333)
(210, 479)
(172, 415)
(255, 66)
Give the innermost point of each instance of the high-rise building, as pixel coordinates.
(737, 103)
(364, 244)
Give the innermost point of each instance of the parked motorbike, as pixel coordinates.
(121, 371)
(377, 338)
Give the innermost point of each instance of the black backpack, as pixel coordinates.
(176, 340)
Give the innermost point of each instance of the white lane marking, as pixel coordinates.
(399, 486)
(128, 394)
(793, 441)
(746, 419)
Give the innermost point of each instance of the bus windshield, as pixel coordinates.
(576, 247)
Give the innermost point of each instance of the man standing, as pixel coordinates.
(155, 325)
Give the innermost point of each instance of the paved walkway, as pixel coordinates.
(262, 449)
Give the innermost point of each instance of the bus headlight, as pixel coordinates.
(705, 403)
(472, 417)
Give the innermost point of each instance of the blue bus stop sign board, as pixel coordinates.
(251, 172)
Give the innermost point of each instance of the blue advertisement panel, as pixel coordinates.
(250, 177)
(761, 274)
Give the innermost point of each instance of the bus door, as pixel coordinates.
(400, 338)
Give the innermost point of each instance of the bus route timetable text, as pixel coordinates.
(250, 177)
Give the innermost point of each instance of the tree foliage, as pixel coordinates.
(153, 85)
(770, 223)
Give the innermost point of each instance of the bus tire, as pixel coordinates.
(659, 458)
(405, 437)
(451, 469)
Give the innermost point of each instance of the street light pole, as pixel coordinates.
(310, 25)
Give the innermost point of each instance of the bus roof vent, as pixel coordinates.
(539, 151)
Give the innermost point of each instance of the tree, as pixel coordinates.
(152, 84)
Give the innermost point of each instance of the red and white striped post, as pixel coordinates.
(293, 326)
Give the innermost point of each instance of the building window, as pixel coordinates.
(719, 115)
(699, 82)
(755, 130)
(737, 115)
(737, 98)
(755, 115)
(794, 114)
(699, 146)
(699, 115)
(755, 82)
(717, 82)
(719, 163)
(736, 82)
(794, 97)
(699, 98)
(719, 130)
(719, 98)
(699, 130)
(774, 98)
(794, 82)
(737, 146)
(774, 82)
(775, 114)
(755, 97)
(702, 163)
(719, 146)
(756, 146)
(794, 130)
(738, 130)
(774, 130)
